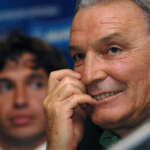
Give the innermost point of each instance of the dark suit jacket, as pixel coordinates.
(91, 137)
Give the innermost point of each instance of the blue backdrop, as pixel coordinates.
(48, 19)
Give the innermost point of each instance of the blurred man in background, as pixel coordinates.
(25, 64)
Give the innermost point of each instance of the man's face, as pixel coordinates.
(22, 91)
(110, 45)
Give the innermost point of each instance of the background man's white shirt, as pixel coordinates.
(42, 147)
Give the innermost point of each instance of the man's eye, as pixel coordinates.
(37, 84)
(77, 57)
(5, 87)
(113, 50)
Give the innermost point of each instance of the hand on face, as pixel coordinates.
(62, 106)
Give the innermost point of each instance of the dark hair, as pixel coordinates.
(45, 55)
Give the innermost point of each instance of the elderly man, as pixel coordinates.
(110, 46)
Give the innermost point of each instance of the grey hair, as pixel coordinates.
(143, 4)
(84, 3)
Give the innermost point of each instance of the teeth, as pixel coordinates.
(104, 95)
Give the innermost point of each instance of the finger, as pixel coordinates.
(74, 82)
(57, 76)
(52, 84)
(76, 100)
(63, 92)
(60, 74)
(69, 86)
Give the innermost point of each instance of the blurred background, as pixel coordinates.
(49, 20)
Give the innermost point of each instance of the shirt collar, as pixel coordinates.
(42, 147)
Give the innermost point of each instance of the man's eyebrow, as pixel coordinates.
(74, 48)
(110, 37)
(101, 40)
(4, 80)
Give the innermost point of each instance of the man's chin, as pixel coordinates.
(24, 139)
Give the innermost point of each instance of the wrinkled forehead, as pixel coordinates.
(114, 9)
(123, 8)
(98, 21)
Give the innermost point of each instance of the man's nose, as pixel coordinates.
(93, 68)
(20, 97)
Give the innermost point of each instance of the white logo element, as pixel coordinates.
(23, 13)
(57, 36)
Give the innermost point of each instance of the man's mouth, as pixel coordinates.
(20, 120)
(106, 94)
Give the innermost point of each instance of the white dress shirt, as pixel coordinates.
(41, 147)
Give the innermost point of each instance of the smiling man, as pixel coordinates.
(25, 64)
(109, 44)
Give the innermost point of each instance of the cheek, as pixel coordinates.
(5, 110)
(128, 70)
(36, 102)
(78, 69)
(37, 95)
(136, 75)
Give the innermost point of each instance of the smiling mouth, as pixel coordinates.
(105, 95)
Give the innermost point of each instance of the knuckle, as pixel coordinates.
(67, 79)
(68, 87)
(71, 89)
(74, 97)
